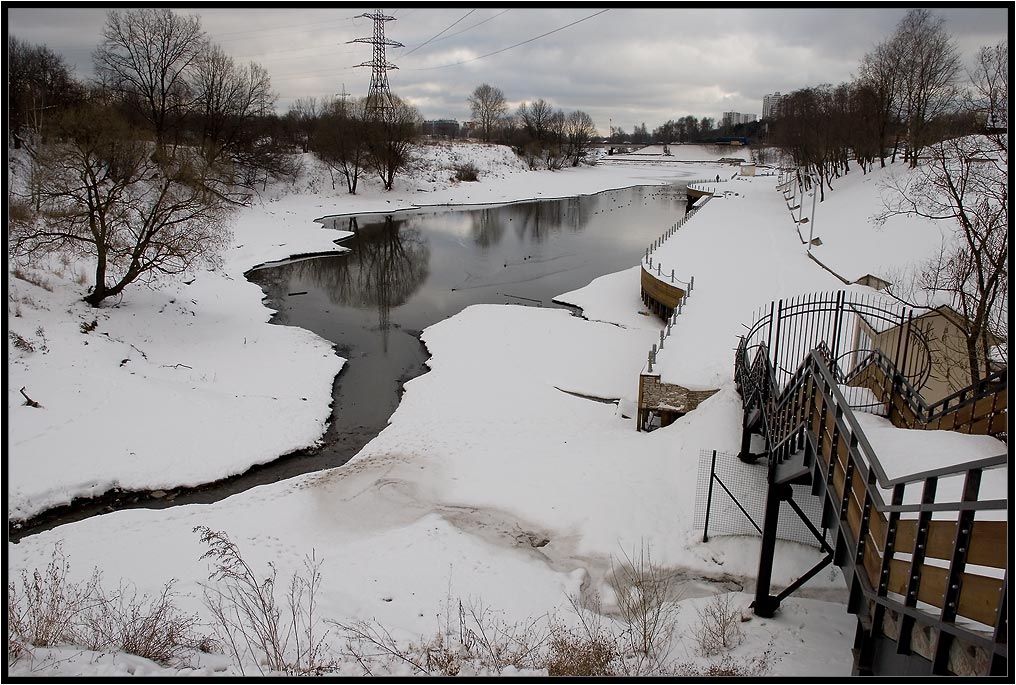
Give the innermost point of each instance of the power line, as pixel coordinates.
(242, 35)
(438, 34)
(472, 26)
(510, 47)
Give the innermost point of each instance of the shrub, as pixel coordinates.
(43, 609)
(479, 639)
(641, 590)
(47, 609)
(152, 628)
(719, 627)
(466, 172)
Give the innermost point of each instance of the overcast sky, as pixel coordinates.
(623, 66)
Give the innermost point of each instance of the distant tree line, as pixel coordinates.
(907, 96)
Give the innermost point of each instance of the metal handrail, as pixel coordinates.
(816, 365)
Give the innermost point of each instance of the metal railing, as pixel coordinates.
(805, 415)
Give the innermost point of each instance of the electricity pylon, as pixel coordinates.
(379, 99)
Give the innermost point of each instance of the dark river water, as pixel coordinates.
(408, 270)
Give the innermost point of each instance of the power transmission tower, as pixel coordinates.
(379, 99)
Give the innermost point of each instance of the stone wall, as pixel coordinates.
(666, 397)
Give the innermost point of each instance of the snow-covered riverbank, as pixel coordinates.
(495, 481)
(188, 383)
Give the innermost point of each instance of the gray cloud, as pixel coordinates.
(626, 66)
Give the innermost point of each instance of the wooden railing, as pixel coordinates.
(979, 408)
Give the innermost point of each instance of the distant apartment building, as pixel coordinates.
(771, 104)
(735, 118)
(445, 128)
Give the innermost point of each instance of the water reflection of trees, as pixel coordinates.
(535, 221)
(388, 262)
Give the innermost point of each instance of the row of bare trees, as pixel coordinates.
(542, 135)
(357, 136)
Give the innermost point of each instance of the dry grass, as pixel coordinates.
(253, 625)
(45, 608)
(150, 627)
(588, 650)
(29, 277)
(477, 640)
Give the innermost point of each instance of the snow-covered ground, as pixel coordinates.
(209, 388)
(499, 478)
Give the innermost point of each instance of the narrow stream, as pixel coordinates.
(406, 271)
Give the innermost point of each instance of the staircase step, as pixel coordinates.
(792, 469)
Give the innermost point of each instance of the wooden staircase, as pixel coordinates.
(927, 573)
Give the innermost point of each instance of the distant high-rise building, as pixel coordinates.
(771, 104)
(735, 118)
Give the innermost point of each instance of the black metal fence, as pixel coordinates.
(730, 499)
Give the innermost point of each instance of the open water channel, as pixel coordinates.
(406, 271)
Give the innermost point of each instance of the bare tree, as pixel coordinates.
(304, 115)
(988, 97)
(580, 130)
(488, 108)
(881, 72)
(147, 56)
(105, 195)
(391, 134)
(930, 64)
(228, 96)
(966, 180)
(39, 85)
(340, 141)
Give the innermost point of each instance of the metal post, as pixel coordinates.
(811, 230)
(709, 498)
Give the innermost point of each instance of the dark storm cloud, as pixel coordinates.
(624, 67)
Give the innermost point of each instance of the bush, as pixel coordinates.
(47, 609)
(466, 172)
(719, 628)
(641, 590)
(479, 639)
(43, 610)
(587, 651)
(150, 628)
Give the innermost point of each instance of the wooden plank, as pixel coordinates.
(963, 415)
(979, 597)
(878, 527)
(990, 404)
(853, 518)
(899, 575)
(941, 535)
(663, 293)
(857, 485)
(989, 544)
(906, 533)
(932, 588)
(842, 451)
(941, 538)
(872, 564)
(839, 477)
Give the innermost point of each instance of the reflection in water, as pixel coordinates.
(388, 262)
(409, 270)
